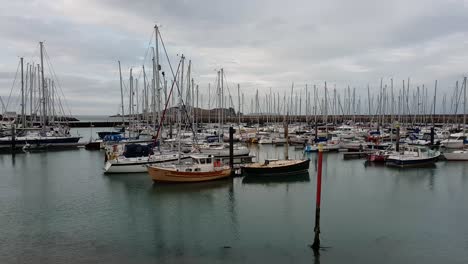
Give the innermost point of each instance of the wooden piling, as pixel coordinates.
(13, 138)
(397, 142)
(231, 148)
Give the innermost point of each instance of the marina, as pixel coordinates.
(243, 132)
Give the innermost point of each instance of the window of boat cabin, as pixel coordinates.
(202, 161)
(208, 160)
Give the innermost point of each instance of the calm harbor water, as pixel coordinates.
(58, 207)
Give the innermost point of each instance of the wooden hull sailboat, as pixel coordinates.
(202, 168)
(159, 174)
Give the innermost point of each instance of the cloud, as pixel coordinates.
(260, 44)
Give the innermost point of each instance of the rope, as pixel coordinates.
(12, 86)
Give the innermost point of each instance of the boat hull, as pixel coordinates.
(456, 156)
(459, 144)
(39, 141)
(283, 170)
(135, 167)
(411, 162)
(169, 175)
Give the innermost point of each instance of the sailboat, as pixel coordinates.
(202, 168)
(460, 154)
(52, 132)
(277, 167)
(413, 156)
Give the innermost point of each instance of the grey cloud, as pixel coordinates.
(261, 44)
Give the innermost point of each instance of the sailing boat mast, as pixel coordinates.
(464, 106)
(156, 77)
(23, 116)
(219, 106)
(32, 71)
(121, 95)
(222, 103)
(130, 106)
(326, 110)
(44, 110)
(145, 99)
(239, 103)
(179, 121)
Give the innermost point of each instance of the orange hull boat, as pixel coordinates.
(171, 175)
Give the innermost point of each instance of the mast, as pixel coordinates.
(326, 110)
(153, 91)
(145, 94)
(434, 110)
(165, 88)
(209, 103)
(37, 95)
(464, 106)
(239, 103)
(242, 104)
(179, 109)
(23, 116)
(354, 105)
(52, 98)
(157, 69)
(130, 106)
(222, 101)
(32, 79)
(219, 106)
(192, 108)
(121, 95)
(137, 113)
(44, 110)
(315, 113)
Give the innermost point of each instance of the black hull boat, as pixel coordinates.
(411, 163)
(37, 143)
(276, 167)
(21, 141)
(413, 157)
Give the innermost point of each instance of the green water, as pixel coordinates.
(58, 207)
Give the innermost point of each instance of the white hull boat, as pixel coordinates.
(265, 140)
(122, 164)
(413, 156)
(457, 155)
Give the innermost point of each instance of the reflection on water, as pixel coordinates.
(269, 179)
(198, 187)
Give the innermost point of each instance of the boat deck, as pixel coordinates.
(274, 164)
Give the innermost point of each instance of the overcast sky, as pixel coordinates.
(260, 44)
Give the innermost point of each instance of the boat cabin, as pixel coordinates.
(202, 159)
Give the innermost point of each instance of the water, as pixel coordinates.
(58, 207)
